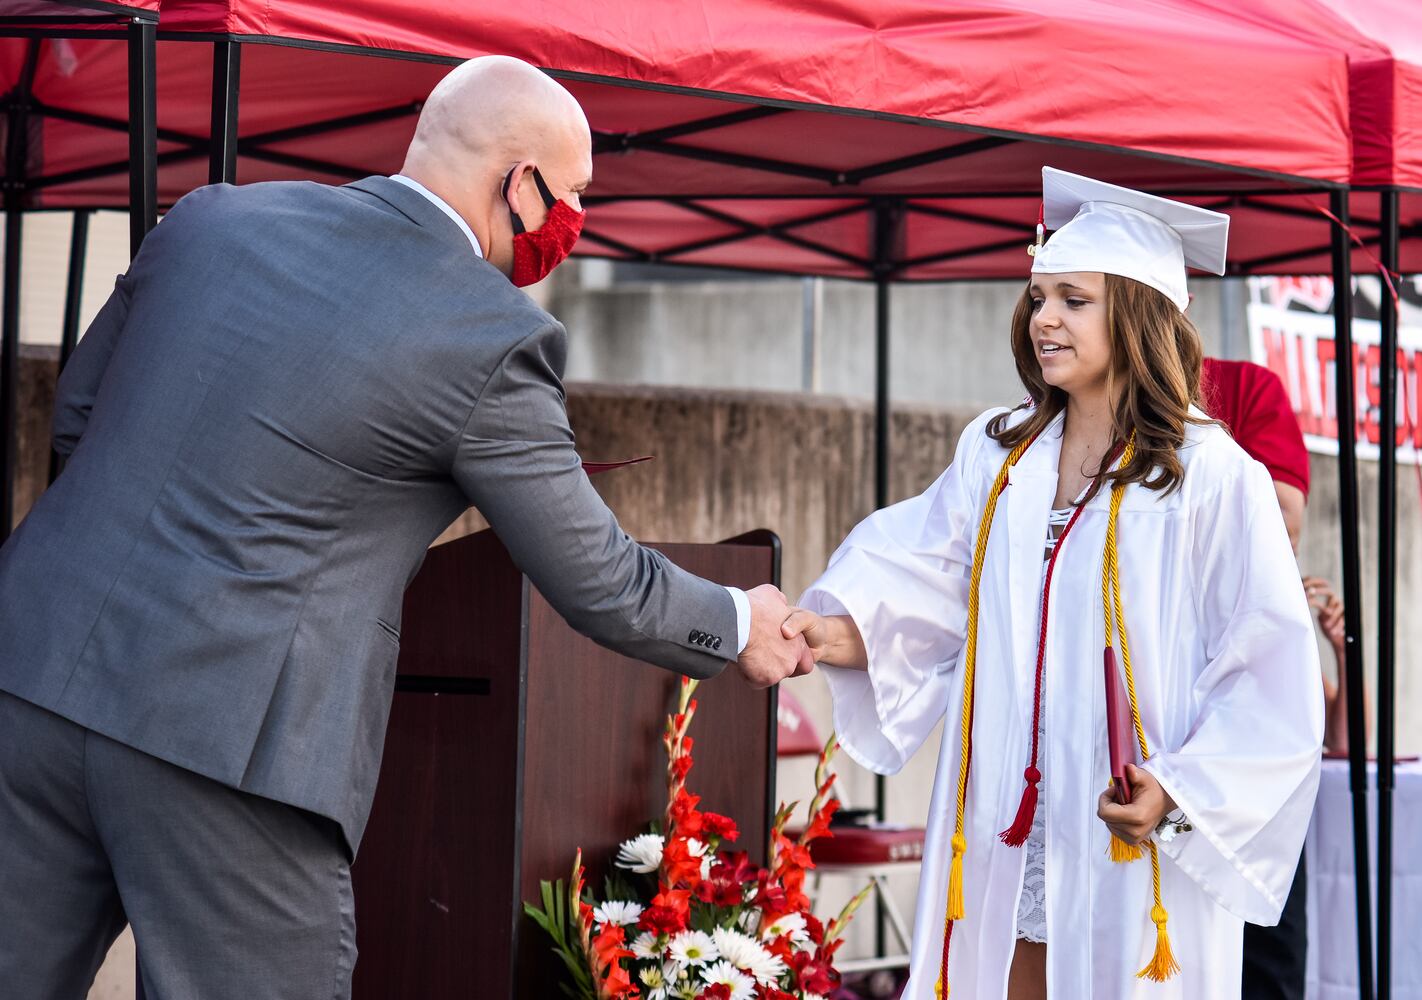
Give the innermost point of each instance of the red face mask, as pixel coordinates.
(537, 253)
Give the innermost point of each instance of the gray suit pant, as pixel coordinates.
(229, 894)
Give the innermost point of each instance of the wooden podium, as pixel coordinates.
(512, 742)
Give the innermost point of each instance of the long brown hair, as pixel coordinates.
(1156, 350)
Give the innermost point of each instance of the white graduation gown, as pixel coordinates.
(1226, 669)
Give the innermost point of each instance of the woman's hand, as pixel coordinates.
(1149, 804)
(832, 639)
(1329, 608)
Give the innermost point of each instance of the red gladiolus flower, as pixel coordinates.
(770, 897)
(816, 929)
(741, 868)
(815, 974)
(820, 824)
(795, 856)
(719, 826)
(782, 947)
(764, 992)
(687, 820)
(718, 992)
(682, 867)
(722, 888)
(609, 951)
(619, 983)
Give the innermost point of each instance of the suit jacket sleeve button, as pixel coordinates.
(717, 643)
(692, 635)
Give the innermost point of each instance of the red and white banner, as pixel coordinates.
(1298, 346)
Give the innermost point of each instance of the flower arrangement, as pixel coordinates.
(707, 923)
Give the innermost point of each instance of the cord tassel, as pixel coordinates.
(955, 879)
(1016, 834)
(1124, 853)
(1162, 964)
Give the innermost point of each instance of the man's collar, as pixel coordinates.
(443, 206)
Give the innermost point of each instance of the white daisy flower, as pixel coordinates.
(697, 849)
(618, 913)
(747, 954)
(692, 948)
(790, 925)
(786, 923)
(655, 982)
(641, 854)
(749, 920)
(725, 974)
(647, 946)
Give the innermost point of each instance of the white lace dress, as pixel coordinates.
(1032, 904)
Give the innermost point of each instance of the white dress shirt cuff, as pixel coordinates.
(743, 618)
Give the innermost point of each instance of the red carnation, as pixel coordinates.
(718, 992)
(719, 826)
(669, 912)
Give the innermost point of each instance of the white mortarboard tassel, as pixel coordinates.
(1114, 230)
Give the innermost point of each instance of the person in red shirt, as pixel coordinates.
(1253, 404)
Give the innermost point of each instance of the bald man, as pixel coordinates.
(292, 391)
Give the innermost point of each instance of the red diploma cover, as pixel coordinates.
(1120, 735)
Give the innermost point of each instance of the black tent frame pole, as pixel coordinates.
(881, 371)
(1387, 583)
(10, 359)
(226, 85)
(73, 298)
(143, 131)
(1352, 579)
(887, 216)
(17, 152)
(883, 235)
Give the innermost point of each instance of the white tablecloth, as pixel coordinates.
(1332, 906)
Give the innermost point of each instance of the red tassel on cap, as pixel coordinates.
(1016, 834)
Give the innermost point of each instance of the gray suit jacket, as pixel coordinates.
(293, 390)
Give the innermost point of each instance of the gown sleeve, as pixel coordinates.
(902, 575)
(1247, 773)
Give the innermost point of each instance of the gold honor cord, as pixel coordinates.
(1162, 965)
(954, 909)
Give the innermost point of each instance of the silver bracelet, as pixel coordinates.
(1172, 825)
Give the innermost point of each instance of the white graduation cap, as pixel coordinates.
(1103, 227)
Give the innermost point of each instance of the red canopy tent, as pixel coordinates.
(758, 137)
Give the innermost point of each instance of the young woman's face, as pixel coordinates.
(1068, 330)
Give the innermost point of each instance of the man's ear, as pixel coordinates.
(513, 184)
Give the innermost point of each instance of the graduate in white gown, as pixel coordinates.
(1110, 491)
